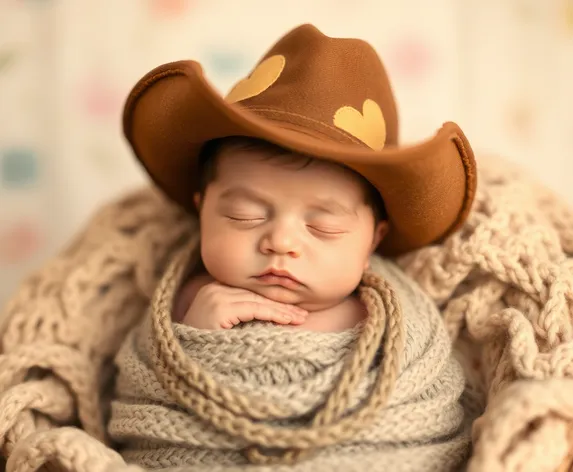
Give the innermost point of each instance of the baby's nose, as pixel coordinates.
(283, 242)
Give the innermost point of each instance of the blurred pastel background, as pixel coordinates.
(503, 69)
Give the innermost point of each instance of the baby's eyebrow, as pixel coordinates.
(326, 205)
(330, 205)
(243, 192)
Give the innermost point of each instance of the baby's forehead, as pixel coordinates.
(289, 176)
(256, 161)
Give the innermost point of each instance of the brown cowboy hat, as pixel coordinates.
(323, 97)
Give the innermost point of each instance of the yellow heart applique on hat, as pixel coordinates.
(262, 77)
(368, 126)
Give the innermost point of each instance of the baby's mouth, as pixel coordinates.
(279, 277)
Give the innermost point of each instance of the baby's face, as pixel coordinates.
(263, 214)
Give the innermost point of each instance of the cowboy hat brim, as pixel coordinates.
(427, 188)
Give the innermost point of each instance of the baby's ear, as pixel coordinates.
(197, 200)
(380, 232)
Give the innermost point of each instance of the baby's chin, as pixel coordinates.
(310, 302)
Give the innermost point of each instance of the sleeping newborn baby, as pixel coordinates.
(339, 361)
(284, 238)
(287, 241)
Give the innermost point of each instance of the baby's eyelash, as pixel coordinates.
(245, 220)
(324, 231)
(312, 227)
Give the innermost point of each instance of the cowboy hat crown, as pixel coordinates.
(334, 88)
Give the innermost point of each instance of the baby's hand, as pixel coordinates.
(218, 306)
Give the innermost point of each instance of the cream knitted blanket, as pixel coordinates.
(198, 398)
(503, 285)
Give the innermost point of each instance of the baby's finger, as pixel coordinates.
(249, 311)
(256, 298)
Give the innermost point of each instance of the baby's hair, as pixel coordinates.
(213, 148)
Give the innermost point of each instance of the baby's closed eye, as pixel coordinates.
(245, 218)
(326, 229)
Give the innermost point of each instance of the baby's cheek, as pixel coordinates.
(340, 274)
(223, 257)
